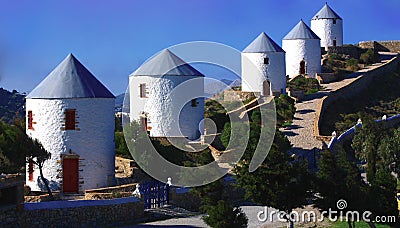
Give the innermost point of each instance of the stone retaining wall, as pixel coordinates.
(80, 213)
(231, 95)
(354, 88)
(391, 45)
(327, 77)
(351, 50)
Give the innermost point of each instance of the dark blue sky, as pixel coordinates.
(113, 38)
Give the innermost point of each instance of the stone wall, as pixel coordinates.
(232, 95)
(347, 92)
(351, 50)
(11, 189)
(391, 45)
(327, 77)
(80, 213)
(182, 197)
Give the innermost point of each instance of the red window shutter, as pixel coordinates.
(30, 170)
(30, 120)
(70, 119)
(142, 90)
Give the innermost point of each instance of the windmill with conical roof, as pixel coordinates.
(163, 109)
(303, 52)
(328, 25)
(263, 67)
(72, 114)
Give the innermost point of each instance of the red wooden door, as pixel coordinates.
(70, 175)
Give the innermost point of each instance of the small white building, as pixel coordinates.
(72, 114)
(158, 106)
(328, 25)
(263, 67)
(303, 52)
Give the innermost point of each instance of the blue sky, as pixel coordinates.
(113, 38)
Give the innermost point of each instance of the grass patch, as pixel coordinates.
(287, 124)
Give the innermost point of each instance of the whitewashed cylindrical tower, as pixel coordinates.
(303, 52)
(328, 25)
(151, 103)
(263, 67)
(72, 114)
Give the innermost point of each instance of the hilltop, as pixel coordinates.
(11, 103)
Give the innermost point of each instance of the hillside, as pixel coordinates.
(10, 104)
(381, 98)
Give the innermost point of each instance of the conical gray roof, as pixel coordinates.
(326, 13)
(166, 63)
(70, 79)
(263, 43)
(301, 31)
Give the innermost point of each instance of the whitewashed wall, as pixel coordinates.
(255, 72)
(297, 50)
(94, 142)
(160, 107)
(328, 31)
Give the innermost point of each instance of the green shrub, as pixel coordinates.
(352, 64)
(369, 57)
(224, 215)
(121, 149)
(309, 85)
(285, 109)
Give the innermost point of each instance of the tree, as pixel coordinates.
(37, 154)
(224, 215)
(366, 142)
(121, 149)
(12, 148)
(371, 145)
(117, 122)
(210, 193)
(390, 151)
(338, 179)
(280, 182)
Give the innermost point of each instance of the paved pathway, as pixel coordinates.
(196, 221)
(301, 132)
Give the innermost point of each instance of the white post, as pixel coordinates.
(169, 181)
(137, 192)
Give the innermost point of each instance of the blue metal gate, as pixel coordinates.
(155, 194)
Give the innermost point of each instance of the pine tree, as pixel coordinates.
(339, 179)
(280, 182)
